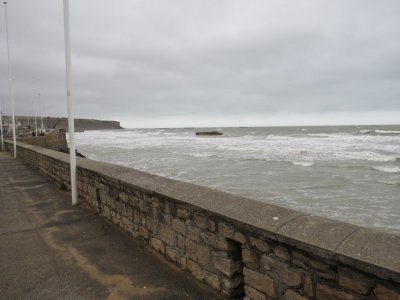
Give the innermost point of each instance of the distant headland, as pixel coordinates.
(62, 123)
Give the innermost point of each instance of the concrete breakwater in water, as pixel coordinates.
(239, 246)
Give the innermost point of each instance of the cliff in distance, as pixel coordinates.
(62, 123)
(87, 124)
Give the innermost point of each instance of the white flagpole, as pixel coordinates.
(71, 126)
(10, 84)
(34, 112)
(41, 112)
(1, 128)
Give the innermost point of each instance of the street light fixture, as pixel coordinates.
(71, 125)
(10, 84)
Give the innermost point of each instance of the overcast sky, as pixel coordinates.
(218, 63)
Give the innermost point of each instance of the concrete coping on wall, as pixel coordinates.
(366, 249)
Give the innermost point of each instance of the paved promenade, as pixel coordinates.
(52, 250)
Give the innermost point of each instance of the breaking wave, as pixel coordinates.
(389, 169)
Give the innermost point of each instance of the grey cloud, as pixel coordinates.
(174, 59)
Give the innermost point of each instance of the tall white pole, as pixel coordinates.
(34, 111)
(10, 84)
(71, 126)
(41, 112)
(1, 129)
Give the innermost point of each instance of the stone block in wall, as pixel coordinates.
(253, 294)
(200, 220)
(105, 199)
(144, 206)
(281, 252)
(239, 237)
(227, 266)
(281, 271)
(327, 292)
(134, 200)
(248, 256)
(259, 281)
(355, 281)
(211, 225)
(169, 209)
(200, 274)
(166, 219)
(92, 191)
(136, 217)
(143, 233)
(155, 209)
(226, 230)
(103, 196)
(261, 245)
(179, 226)
(183, 213)
(167, 235)
(181, 243)
(142, 219)
(385, 293)
(113, 191)
(173, 254)
(198, 253)
(106, 211)
(129, 212)
(157, 245)
(193, 231)
(79, 186)
(215, 241)
(314, 265)
(152, 226)
(120, 208)
(231, 284)
(308, 286)
(292, 295)
(123, 196)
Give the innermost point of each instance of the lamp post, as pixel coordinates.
(10, 84)
(41, 112)
(71, 126)
(34, 112)
(1, 129)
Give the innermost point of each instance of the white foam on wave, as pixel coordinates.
(273, 147)
(278, 137)
(389, 182)
(365, 155)
(303, 163)
(320, 135)
(365, 131)
(388, 131)
(197, 154)
(389, 169)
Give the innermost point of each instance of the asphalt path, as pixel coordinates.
(50, 249)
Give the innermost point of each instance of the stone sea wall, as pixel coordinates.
(241, 247)
(55, 140)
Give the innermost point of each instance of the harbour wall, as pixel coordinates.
(239, 246)
(55, 140)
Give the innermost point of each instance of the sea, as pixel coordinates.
(346, 173)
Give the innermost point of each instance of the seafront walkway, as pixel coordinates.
(50, 249)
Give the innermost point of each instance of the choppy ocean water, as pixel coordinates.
(347, 173)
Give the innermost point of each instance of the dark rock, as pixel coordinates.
(209, 133)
